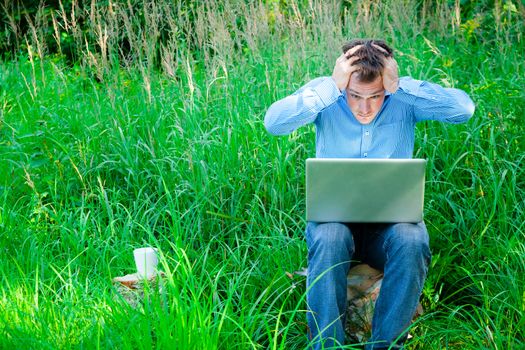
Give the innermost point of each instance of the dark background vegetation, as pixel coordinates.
(19, 16)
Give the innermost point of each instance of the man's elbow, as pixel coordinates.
(463, 112)
(272, 126)
(268, 124)
(467, 110)
(275, 130)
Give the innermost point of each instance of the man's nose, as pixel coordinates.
(364, 106)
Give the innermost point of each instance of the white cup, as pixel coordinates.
(146, 261)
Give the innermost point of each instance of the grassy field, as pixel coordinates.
(143, 125)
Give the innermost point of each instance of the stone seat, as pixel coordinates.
(363, 285)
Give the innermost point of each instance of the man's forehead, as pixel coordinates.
(365, 92)
(363, 89)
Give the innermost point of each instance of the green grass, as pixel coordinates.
(97, 159)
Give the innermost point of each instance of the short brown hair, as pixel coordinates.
(371, 59)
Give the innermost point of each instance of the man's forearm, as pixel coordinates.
(434, 102)
(301, 108)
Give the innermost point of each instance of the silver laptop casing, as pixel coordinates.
(365, 190)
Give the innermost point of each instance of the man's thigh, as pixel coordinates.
(381, 237)
(330, 233)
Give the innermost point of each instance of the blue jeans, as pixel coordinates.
(400, 250)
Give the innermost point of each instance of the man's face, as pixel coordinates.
(365, 99)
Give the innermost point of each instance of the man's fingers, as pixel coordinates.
(343, 69)
(344, 61)
(341, 58)
(380, 48)
(383, 50)
(352, 51)
(353, 59)
(348, 64)
(351, 62)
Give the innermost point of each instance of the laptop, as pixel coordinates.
(365, 190)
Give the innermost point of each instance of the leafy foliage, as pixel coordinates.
(142, 124)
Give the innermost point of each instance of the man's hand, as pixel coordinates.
(344, 68)
(390, 72)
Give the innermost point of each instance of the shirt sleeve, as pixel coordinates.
(302, 107)
(434, 102)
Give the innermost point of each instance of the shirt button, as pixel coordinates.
(367, 133)
(365, 154)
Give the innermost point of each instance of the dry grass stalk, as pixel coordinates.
(7, 7)
(32, 91)
(146, 78)
(75, 28)
(218, 44)
(168, 60)
(191, 86)
(38, 42)
(256, 30)
(56, 33)
(151, 32)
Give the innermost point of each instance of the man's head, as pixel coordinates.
(371, 55)
(365, 89)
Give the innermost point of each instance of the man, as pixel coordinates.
(365, 111)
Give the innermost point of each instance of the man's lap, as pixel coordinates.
(371, 240)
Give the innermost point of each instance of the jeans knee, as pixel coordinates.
(411, 239)
(332, 236)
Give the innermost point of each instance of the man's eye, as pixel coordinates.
(375, 97)
(354, 96)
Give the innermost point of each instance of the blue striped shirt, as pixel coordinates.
(389, 135)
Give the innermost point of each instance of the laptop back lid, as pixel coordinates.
(365, 190)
